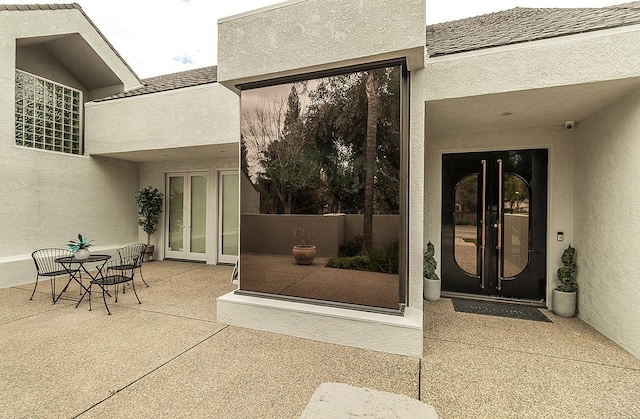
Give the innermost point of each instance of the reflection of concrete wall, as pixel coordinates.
(386, 228)
(274, 233)
(516, 239)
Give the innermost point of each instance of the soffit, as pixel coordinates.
(526, 109)
(77, 57)
(206, 152)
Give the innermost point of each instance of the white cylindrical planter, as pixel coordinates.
(564, 303)
(81, 254)
(431, 289)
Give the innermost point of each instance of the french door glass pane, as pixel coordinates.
(176, 213)
(198, 214)
(230, 212)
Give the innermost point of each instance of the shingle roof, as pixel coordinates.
(163, 83)
(523, 25)
(12, 7)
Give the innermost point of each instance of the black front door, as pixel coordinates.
(494, 222)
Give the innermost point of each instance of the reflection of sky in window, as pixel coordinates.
(269, 97)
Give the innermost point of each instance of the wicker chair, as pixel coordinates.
(46, 265)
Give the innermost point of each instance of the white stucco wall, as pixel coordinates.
(318, 34)
(560, 144)
(201, 115)
(51, 197)
(607, 198)
(154, 174)
(585, 58)
(42, 23)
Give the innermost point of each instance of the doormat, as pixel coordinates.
(512, 311)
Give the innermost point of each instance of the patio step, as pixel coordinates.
(336, 400)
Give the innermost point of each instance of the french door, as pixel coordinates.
(228, 216)
(186, 220)
(494, 212)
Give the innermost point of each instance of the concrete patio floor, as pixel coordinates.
(168, 357)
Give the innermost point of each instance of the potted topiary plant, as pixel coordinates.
(431, 283)
(80, 248)
(304, 252)
(564, 296)
(149, 202)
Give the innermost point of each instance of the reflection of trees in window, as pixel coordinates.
(516, 193)
(466, 198)
(306, 149)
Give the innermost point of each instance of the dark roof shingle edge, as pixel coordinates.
(25, 7)
(167, 82)
(521, 24)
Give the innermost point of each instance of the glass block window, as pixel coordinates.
(48, 115)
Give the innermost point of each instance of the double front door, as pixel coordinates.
(494, 211)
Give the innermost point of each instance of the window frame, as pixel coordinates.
(54, 121)
(405, 89)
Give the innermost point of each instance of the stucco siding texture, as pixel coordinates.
(561, 62)
(51, 197)
(200, 115)
(312, 34)
(607, 199)
(29, 21)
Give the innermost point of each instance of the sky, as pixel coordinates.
(165, 36)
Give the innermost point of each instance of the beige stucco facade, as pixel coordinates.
(606, 198)
(51, 197)
(503, 98)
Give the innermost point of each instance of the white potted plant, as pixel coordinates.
(564, 296)
(431, 283)
(80, 247)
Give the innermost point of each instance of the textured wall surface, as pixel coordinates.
(203, 115)
(607, 227)
(51, 197)
(562, 61)
(317, 34)
(37, 23)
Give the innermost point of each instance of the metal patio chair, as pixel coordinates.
(132, 252)
(119, 271)
(46, 266)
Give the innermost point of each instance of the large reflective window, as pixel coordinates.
(323, 162)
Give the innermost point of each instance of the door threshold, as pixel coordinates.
(186, 260)
(534, 303)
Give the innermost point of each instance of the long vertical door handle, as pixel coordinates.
(483, 220)
(500, 203)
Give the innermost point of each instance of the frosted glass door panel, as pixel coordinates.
(229, 220)
(198, 228)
